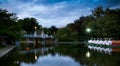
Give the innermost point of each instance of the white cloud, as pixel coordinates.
(59, 14)
(60, 22)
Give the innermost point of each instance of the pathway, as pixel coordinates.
(5, 50)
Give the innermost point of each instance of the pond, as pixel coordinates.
(61, 55)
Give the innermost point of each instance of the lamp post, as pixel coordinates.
(88, 30)
(35, 38)
(35, 33)
(35, 27)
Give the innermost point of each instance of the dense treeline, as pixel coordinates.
(103, 23)
(12, 28)
(9, 28)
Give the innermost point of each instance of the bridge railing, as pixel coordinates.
(37, 36)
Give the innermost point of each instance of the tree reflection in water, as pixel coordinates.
(62, 55)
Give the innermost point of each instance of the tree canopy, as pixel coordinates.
(8, 24)
(102, 22)
(29, 24)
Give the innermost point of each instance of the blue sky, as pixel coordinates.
(55, 12)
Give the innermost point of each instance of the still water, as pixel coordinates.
(62, 55)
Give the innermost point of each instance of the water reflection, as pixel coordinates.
(62, 55)
(35, 55)
(56, 60)
(101, 49)
(88, 54)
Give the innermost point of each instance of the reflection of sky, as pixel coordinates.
(55, 60)
(55, 12)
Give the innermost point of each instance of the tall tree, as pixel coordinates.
(9, 28)
(66, 34)
(53, 29)
(98, 12)
(106, 24)
(29, 24)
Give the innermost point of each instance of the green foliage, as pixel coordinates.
(66, 34)
(8, 25)
(107, 23)
(102, 22)
(98, 12)
(77, 26)
(29, 24)
(53, 30)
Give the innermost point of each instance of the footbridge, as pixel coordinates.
(38, 39)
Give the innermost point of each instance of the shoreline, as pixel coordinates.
(5, 50)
